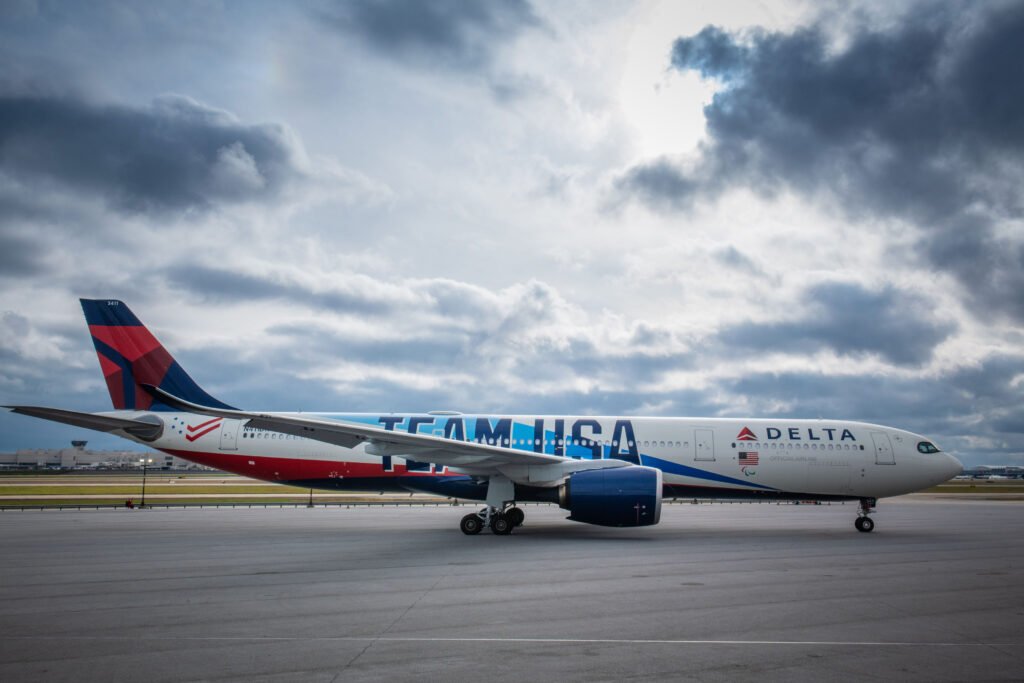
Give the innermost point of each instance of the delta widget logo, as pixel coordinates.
(747, 460)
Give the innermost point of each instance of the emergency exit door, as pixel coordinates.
(705, 443)
(883, 449)
(229, 435)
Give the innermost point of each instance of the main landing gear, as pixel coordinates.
(501, 522)
(864, 523)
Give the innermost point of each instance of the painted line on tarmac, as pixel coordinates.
(539, 641)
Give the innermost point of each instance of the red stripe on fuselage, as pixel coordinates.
(292, 469)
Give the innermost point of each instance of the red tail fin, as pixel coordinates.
(130, 355)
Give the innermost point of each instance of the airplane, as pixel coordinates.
(608, 471)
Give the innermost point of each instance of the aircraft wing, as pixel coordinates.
(469, 457)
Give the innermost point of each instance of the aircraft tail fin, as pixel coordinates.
(130, 357)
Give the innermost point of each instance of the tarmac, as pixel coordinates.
(719, 592)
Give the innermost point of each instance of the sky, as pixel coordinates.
(742, 208)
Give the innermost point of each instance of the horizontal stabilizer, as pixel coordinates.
(145, 429)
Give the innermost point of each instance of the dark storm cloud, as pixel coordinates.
(173, 155)
(733, 258)
(433, 349)
(923, 122)
(1010, 422)
(982, 402)
(19, 257)
(220, 285)
(610, 367)
(453, 33)
(661, 184)
(446, 347)
(852, 321)
(896, 401)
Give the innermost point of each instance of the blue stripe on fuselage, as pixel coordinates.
(669, 467)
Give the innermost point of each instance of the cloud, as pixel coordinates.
(457, 34)
(851, 321)
(346, 294)
(442, 343)
(973, 411)
(477, 344)
(661, 184)
(174, 155)
(19, 257)
(921, 121)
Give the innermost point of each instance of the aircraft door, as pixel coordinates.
(883, 449)
(229, 435)
(705, 443)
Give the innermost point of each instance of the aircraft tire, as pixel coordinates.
(516, 516)
(471, 524)
(501, 525)
(864, 524)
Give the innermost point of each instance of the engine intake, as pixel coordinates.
(620, 496)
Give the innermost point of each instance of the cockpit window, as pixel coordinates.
(926, 447)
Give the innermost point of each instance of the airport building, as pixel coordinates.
(78, 457)
(993, 472)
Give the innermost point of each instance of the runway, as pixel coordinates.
(715, 592)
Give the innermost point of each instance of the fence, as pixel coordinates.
(381, 503)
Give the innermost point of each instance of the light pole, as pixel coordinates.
(145, 462)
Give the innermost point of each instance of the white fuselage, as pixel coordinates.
(699, 456)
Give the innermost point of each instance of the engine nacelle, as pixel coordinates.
(619, 496)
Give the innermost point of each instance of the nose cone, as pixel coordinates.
(953, 467)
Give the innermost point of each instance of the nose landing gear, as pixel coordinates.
(864, 523)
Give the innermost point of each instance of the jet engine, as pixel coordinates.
(620, 496)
